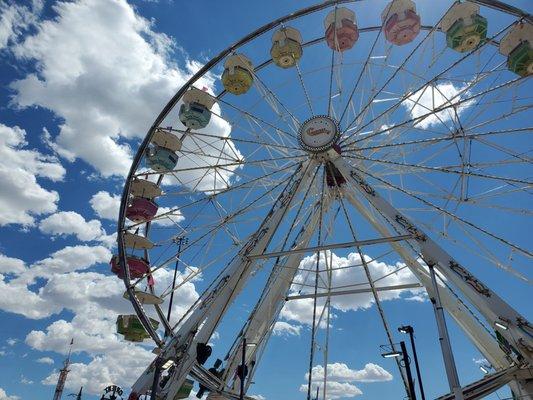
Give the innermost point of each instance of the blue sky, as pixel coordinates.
(82, 81)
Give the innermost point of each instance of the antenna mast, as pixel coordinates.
(63, 372)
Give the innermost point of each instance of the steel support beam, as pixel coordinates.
(490, 305)
(456, 308)
(206, 314)
(356, 291)
(259, 326)
(345, 245)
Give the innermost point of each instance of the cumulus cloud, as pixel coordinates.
(301, 310)
(340, 379)
(4, 396)
(95, 299)
(105, 205)
(335, 390)
(432, 97)
(45, 360)
(9, 265)
(42, 303)
(103, 370)
(15, 19)
(106, 80)
(21, 196)
(282, 328)
(340, 372)
(72, 223)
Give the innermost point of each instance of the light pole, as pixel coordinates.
(486, 368)
(155, 383)
(409, 330)
(180, 240)
(411, 390)
(242, 370)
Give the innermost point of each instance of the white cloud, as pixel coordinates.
(172, 217)
(107, 81)
(282, 328)
(301, 310)
(41, 303)
(15, 18)
(104, 370)
(96, 300)
(430, 98)
(340, 372)
(4, 396)
(340, 379)
(106, 205)
(335, 390)
(21, 196)
(66, 223)
(25, 381)
(70, 259)
(480, 361)
(45, 360)
(9, 265)
(12, 341)
(72, 223)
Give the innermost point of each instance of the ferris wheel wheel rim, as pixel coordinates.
(213, 62)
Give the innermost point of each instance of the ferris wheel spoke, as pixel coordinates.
(455, 217)
(330, 91)
(478, 248)
(359, 77)
(422, 42)
(250, 184)
(278, 143)
(304, 89)
(509, 152)
(257, 119)
(240, 140)
(436, 110)
(443, 170)
(212, 231)
(242, 163)
(444, 138)
(272, 100)
(434, 79)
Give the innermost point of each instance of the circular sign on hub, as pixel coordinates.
(318, 134)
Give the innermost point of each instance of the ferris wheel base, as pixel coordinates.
(519, 380)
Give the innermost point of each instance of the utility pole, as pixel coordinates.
(63, 372)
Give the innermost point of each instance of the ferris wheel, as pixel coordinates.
(400, 135)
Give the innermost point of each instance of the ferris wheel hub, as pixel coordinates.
(318, 134)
